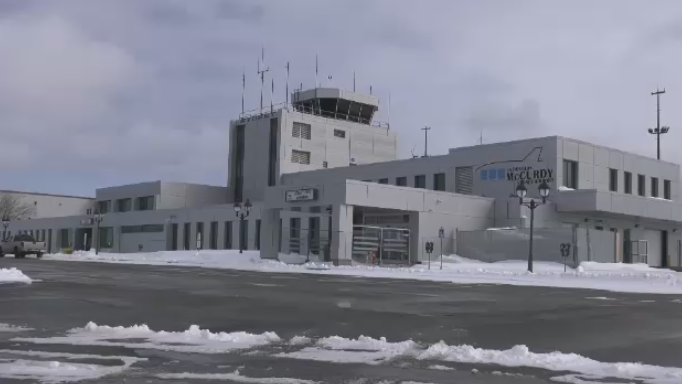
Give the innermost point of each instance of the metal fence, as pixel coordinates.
(493, 245)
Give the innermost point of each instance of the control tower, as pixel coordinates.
(321, 128)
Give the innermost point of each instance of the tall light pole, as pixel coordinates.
(426, 140)
(97, 217)
(658, 131)
(441, 235)
(521, 192)
(241, 215)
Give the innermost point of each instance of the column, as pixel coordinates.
(342, 234)
(270, 233)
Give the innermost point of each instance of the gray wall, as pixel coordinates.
(46, 205)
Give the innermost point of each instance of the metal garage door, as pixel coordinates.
(142, 242)
(653, 239)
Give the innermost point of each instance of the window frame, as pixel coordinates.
(667, 191)
(570, 174)
(641, 185)
(613, 180)
(654, 187)
(627, 182)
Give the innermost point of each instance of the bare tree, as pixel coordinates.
(14, 207)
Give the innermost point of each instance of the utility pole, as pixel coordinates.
(658, 131)
(426, 140)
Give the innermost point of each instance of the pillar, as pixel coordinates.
(270, 233)
(342, 234)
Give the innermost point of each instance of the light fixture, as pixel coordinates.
(544, 190)
(237, 207)
(521, 190)
(248, 205)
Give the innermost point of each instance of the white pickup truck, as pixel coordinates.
(22, 245)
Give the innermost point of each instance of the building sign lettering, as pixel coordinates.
(304, 194)
(529, 175)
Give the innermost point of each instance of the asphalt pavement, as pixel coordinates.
(65, 295)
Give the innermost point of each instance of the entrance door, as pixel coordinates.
(664, 248)
(627, 247)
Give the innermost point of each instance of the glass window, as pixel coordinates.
(654, 187)
(185, 235)
(340, 133)
(641, 186)
(627, 181)
(213, 236)
(420, 181)
(106, 237)
(257, 239)
(200, 236)
(124, 205)
(228, 235)
(613, 180)
(174, 237)
(149, 228)
(383, 181)
(401, 181)
(244, 234)
(570, 179)
(666, 189)
(145, 203)
(439, 182)
(104, 206)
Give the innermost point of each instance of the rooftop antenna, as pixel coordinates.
(272, 95)
(412, 151)
(658, 131)
(261, 72)
(243, 87)
(370, 89)
(481, 138)
(389, 111)
(353, 81)
(426, 140)
(287, 89)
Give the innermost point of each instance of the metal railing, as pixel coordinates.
(269, 111)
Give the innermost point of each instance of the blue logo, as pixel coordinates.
(493, 174)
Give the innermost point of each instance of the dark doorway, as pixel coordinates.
(664, 249)
(627, 247)
(83, 241)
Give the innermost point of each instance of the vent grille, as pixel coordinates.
(300, 157)
(464, 177)
(340, 133)
(301, 130)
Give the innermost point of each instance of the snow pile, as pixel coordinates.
(361, 350)
(13, 275)
(193, 340)
(233, 377)
(13, 328)
(615, 277)
(55, 371)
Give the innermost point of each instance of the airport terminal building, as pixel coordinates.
(323, 180)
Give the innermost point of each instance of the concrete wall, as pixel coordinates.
(46, 205)
(183, 195)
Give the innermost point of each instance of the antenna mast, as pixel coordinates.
(658, 131)
(287, 90)
(243, 88)
(261, 72)
(426, 140)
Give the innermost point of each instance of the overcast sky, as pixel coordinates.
(97, 93)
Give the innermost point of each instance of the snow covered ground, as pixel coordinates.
(13, 275)
(636, 278)
(568, 367)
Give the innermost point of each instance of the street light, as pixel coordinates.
(97, 218)
(5, 224)
(241, 216)
(441, 235)
(521, 192)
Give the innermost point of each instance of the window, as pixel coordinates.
(301, 130)
(145, 203)
(325, 164)
(64, 238)
(627, 181)
(300, 157)
(42, 235)
(106, 237)
(401, 181)
(666, 189)
(257, 239)
(213, 235)
(124, 205)
(104, 206)
(383, 181)
(185, 236)
(88, 211)
(439, 182)
(613, 180)
(272, 167)
(641, 187)
(200, 236)
(147, 228)
(244, 234)
(654, 187)
(239, 164)
(228, 235)
(570, 174)
(340, 133)
(420, 181)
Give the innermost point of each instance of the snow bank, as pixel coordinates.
(234, 377)
(55, 371)
(13, 328)
(615, 277)
(364, 349)
(193, 340)
(13, 275)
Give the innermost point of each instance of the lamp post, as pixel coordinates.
(5, 224)
(241, 216)
(521, 192)
(441, 235)
(97, 218)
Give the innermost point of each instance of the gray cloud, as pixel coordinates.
(96, 93)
